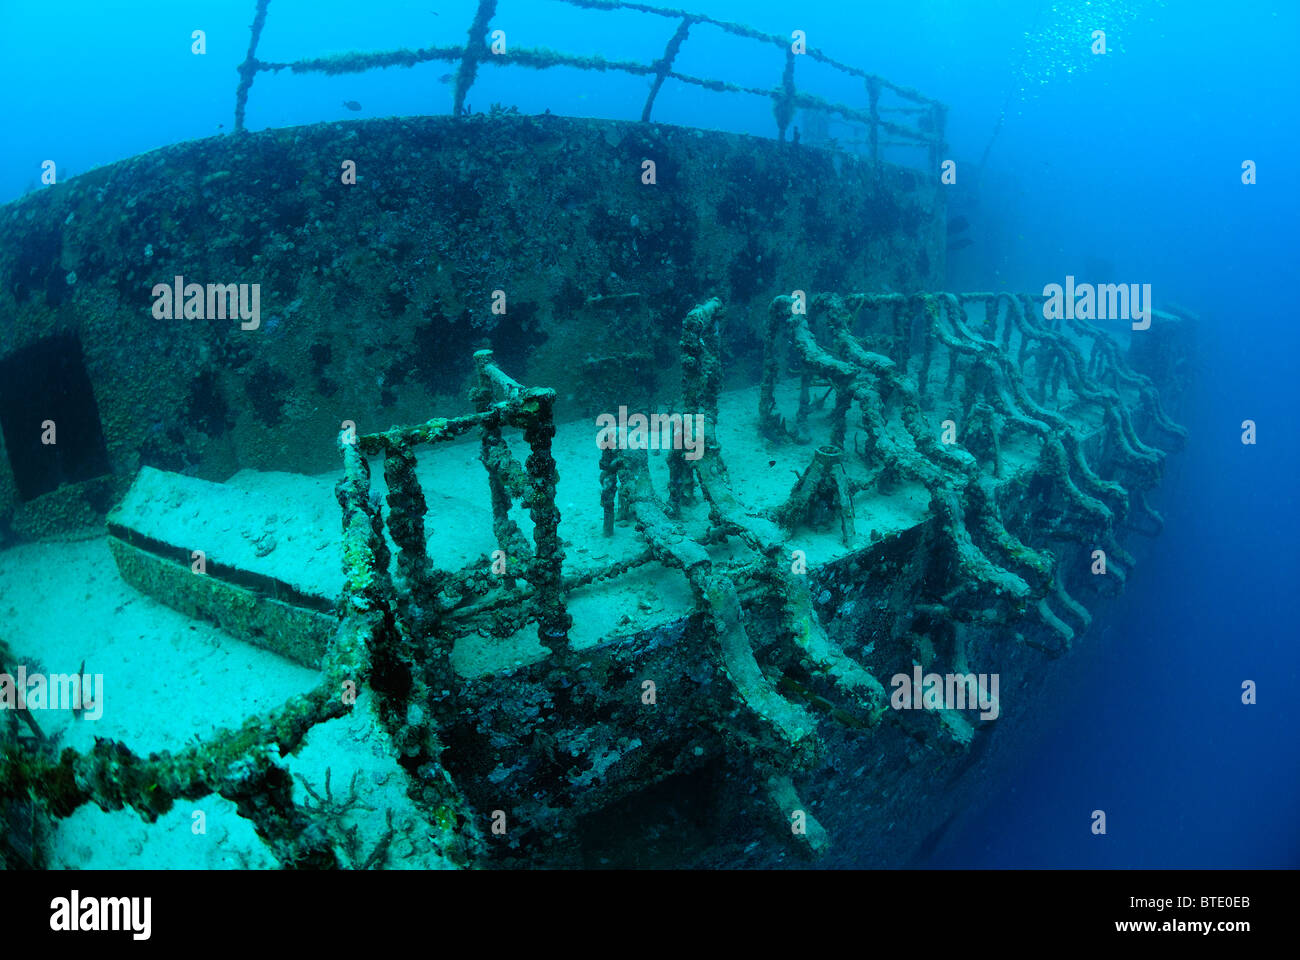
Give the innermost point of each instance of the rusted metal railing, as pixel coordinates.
(500, 402)
(926, 132)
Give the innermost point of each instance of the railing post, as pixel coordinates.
(701, 380)
(406, 512)
(939, 118)
(784, 107)
(665, 64)
(546, 571)
(770, 424)
(365, 553)
(785, 97)
(873, 96)
(608, 487)
(248, 69)
(473, 53)
(505, 477)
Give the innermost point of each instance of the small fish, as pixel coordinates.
(447, 78)
(351, 104)
(958, 225)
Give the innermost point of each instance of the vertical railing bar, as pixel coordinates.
(407, 508)
(498, 462)
(784, 104)
(473, 53)
(365, 551)
(609, 466)
(248, 69)
(939, 118)
(701, 348)
(873, 96)
(784, 99)
(665, 64)
(770, 424)
(546, 572)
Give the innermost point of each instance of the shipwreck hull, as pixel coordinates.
(619, 784)
(595, 777)
(373, 292)
(567, 748)
(582, 656)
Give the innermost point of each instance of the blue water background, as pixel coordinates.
(1133, 158)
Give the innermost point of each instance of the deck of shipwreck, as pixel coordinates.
(174, 676)
(278, 533)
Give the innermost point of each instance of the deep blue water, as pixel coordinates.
(1133, 158)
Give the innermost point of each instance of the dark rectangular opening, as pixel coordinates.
(48, 381)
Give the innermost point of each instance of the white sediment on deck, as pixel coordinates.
(285, 526)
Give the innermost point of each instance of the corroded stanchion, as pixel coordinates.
(545, 571)
(954, 366)
(904, 321)
(474, 52)
(701, 381)
(983, 435)
(406, 655)
(664, 65)
(365, 551)
(531, 411)
(506, 481)
(783, 107)
(770, 424)
(782, 317)
(823, 483)
(938, 121)
(249, 68)
(927, 351)
(840, 416)
(608, 487)
(406, 511)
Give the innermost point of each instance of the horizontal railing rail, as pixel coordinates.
(926, 132)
